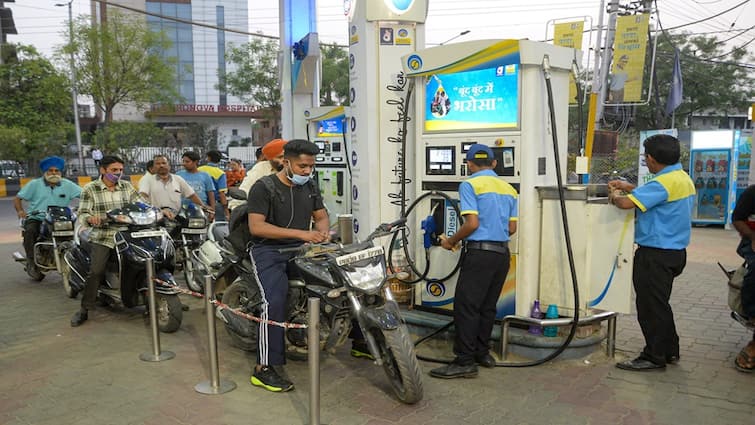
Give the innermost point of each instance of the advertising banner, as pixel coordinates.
(569, 34)
(625, 80)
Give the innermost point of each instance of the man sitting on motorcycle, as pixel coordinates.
(277, 222)
(166, 190)
(743, 219)
(270, 162)
(49, 190)
(97, 198)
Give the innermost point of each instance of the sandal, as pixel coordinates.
(744, 361)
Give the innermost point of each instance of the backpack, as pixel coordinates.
(238, 234)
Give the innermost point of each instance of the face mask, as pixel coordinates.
(297, 179)
(112, 177)
(52, 178)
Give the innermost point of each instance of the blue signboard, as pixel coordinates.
(330, 128)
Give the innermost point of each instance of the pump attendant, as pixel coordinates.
(662, 232)
(280, 219)
(490, 211)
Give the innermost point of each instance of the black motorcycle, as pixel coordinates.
(55, 238)
(138, 238)
(351, 283)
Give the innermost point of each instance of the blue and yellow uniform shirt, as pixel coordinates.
(495, 203)
(664, 219)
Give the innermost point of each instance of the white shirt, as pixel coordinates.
(260, 169)
(165, 193)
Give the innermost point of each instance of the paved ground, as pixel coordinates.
(51, 373)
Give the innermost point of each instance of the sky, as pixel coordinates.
(42, 24)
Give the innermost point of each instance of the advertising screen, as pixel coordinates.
(330, 128)
(476, 99)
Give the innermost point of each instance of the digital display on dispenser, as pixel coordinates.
(330, 128)
(440, 160)
(476, 99)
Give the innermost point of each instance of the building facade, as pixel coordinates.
(200, 59)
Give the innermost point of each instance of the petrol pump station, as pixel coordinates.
(326, 128)
(494, 92)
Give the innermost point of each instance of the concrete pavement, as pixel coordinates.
(51, 373)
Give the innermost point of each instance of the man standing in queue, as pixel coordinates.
(281, 218)
(489, 208)
(663, 226)
(270, 162)
(97, 198)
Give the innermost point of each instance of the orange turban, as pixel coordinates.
(273, 148)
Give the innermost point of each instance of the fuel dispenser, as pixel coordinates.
(494, 92)
(325, 128)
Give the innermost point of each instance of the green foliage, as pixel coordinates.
(121, 136)
(255, 79)
(119, 61)
(200, 137)
(335, 75)
(35, 103)
(712, 80)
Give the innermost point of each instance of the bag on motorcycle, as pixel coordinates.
(735, 290)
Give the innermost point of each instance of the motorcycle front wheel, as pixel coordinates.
(400, 363)
(65, 275)
(236, 296)
(169, 312)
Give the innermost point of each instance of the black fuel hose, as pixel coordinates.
(567, 236)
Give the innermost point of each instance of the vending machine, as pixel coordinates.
(713, 169)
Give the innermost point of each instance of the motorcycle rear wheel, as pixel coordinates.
(169, 312)
(400, 363)
(236, 296)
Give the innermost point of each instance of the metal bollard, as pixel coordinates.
(346, 228)
(313, 355)
(156, 355)
(215, 385)
(611, 337)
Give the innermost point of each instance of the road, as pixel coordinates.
(54, 374)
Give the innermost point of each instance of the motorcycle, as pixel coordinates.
(188, 231)
(55, 238)
(215, 258)
(137, 239)
(351, 283)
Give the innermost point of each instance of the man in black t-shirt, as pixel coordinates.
(282, 218)
(743, 219)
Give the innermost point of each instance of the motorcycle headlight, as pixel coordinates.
(367, 278)
(62, 225)
(141, 218)
(197, 223)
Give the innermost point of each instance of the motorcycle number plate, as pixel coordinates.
(63, 233)
(201, 231)
(148, 234)
(359, 255)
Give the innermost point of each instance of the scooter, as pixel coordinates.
(137, 239)
(188, 230)
(55, 238)
(351, 283)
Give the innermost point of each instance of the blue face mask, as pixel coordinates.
(297, 179)
(113, 177)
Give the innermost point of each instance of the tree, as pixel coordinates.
(335, 75)
(200, 137)
(119, 61)
(255, 78)
(35, 105)
(122, 137)
(713, 80)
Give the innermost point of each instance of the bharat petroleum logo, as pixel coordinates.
(436, 289)
(414, 62)
(399, 6)
(403, 33)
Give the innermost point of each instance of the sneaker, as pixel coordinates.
(269, 379)
(359, 349)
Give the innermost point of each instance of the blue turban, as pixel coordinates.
(52, 161)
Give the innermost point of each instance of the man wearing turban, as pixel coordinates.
(49, 190)
(272, 154)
